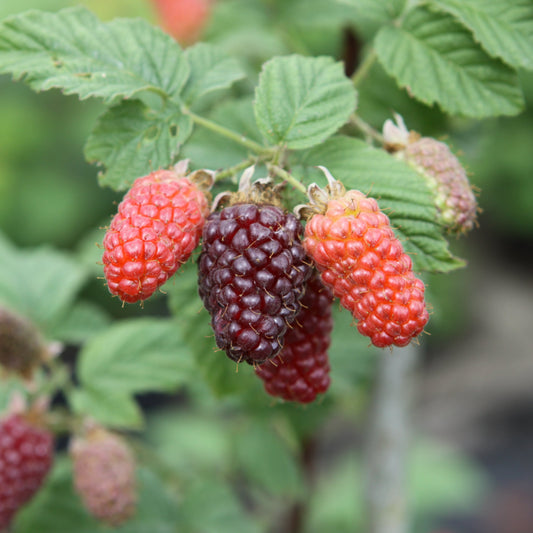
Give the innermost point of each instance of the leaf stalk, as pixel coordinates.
(225, 132)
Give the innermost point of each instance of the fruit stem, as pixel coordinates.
(366, 128)
(232, 171)
(282, 173)
(58, 379)
(387, 446)
(225, 132)
(362, 71)
(62, 422)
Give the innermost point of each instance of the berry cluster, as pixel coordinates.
(256, 277)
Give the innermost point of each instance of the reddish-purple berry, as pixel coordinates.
(26, 455)
(252, 274)
(301, 370)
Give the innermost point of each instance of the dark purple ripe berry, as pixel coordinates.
(252, 274)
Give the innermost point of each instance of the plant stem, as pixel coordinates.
(360, 74)
(59, 378)
(388, 443)
(366, 128)
(231, 171)
(160, 92)
(282, 173)
(225, 132)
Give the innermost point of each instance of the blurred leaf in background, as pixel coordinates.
(501, 161)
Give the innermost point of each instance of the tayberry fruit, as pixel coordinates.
(447, 179)
(301, 370)
(26, 455)
(352, 243)
(185, 20)
(158, 225)
(104, 475)
(252, 274)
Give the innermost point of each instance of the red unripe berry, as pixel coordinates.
(157, 227)
(301, 370)
(184, 20)
(365, 265)
(26, 455)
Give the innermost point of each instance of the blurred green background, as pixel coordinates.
(473, 457)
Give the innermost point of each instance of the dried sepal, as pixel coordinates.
(320, 196)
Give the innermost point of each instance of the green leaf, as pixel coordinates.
(352, 360)
(76, 52)
(83, 321)
(191, 443)
(135, 356)
(212, 506)
(58, 509)
(211, 69)
(336, 504)
(206, 151)
(131, 140)
(503, 27)
(377, 10)
(301, 101)
(399, 190)
(245, 29)
(306, 13)
(438, 61)
(277, 470)
(370, 15)
(110, 408)
(39, 283)
(378, 94)
(443, 479)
